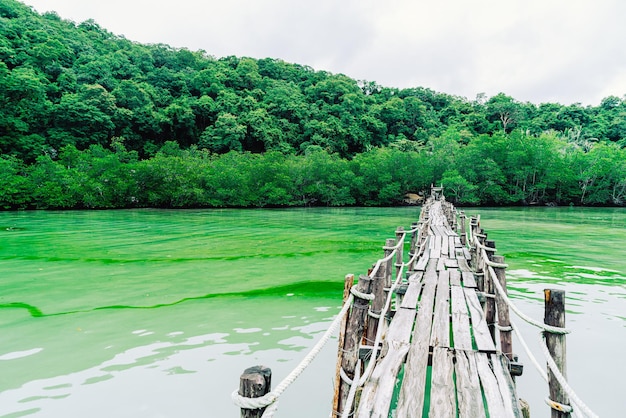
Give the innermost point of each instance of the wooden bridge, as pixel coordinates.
(439, 346)
(430, 336)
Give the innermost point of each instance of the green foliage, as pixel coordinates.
(89, 119)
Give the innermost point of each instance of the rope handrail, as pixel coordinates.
(563, 382)
(509, 303)
(270, 399)
(544, 327)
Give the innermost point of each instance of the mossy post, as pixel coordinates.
(555, 316)
(400, 251)
(504, 320)
(254, 382)
(379, 283)
(490, 290)
(354, 335)
(414, 235)
(462, 232)
(347, 284)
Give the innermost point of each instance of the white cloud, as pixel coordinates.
(534, 50)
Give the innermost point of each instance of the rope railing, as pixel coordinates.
(574, 398)
(270, 399)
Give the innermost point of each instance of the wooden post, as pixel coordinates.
(347, 284)
(504, 320)
(253, 383)
(400, 251)
(379, 284)
(388, 266)
(490, 302)
(414, 235)
(463, 232)
(555, 316)
(354, 335)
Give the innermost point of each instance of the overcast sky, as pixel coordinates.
(564, 51)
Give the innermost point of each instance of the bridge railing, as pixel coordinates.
(369, 306)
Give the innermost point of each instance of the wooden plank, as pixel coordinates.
(457, 242)
(440, 335)
(441, 264)
(469, 280)
(378, 391)
(505, 383)
(411, 398)
(451, 263)
(482, 337)
(436, 250)
(423, 260)
(409, 301)
(442, 399)
(463, 266)
(445, 247)
(460, 320)
(467, 254)
(401, 326)
(455, 278)
(489, 383)
(469, 395)
(451, 247)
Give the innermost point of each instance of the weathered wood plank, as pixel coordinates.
(440, 335)
(505, 383)
(451, 247)
(445, 248)
(489, 383)
(442, 399)
(469, 395)
(467, 254)
(423, 260)
(378, 391)
(436, 250)
(463, 266)
(441, 264)
(469, 280)
(450, 263)
(460, 320)
(413, 291)
(411, 398)
(482, 337)
(455, 278)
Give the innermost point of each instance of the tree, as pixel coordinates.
(505, 110)
(227, 134)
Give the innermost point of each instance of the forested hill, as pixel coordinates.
(91, 119)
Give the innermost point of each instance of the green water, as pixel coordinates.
(152, 313)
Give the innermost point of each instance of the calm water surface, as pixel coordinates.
(152, 313)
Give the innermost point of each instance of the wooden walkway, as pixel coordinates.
(439, 349)
(443, 348)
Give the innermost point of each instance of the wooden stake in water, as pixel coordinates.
(555, 316)
(253, 383)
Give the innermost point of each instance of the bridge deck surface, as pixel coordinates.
(438, 346)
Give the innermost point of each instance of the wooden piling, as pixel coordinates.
(254, 382)
(379, 283)
(415, 228)
(354, 335)
(490, 289)
(347, 284)
(555, 316)
(462, 234)
(504, 319)
(400, 251)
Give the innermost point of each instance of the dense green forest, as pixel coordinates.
(89, 119)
